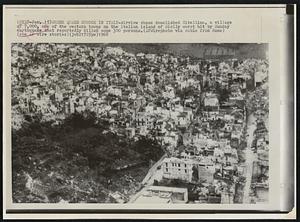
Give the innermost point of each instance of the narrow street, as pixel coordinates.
(151, 175)
(250, 157)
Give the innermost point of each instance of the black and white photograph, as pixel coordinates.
(140, 123)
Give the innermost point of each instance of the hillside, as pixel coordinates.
(77, 161)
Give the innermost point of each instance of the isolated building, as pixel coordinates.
(161, 195)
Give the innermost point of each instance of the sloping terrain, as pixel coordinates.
(77, 161)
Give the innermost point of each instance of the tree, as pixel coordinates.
(180, 140)
(195, 175)
(81, 120)
(155, 183)
(148, 148)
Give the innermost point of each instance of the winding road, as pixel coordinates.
(151, 175)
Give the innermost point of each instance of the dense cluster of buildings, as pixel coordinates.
(195, 108)
(260, 146)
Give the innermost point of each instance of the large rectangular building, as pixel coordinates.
(161, 195)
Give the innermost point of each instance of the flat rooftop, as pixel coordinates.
(161, 195)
